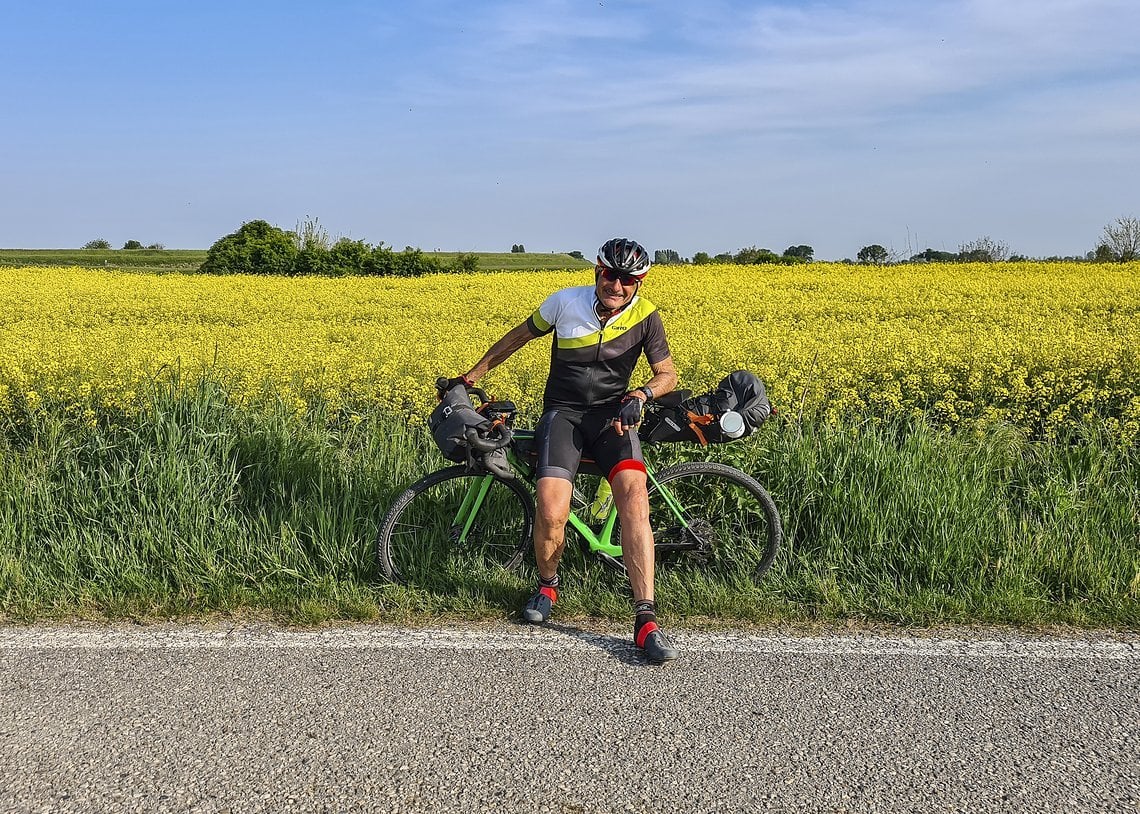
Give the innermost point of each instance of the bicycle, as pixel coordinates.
(703, 514)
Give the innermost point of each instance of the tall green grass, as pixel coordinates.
(198, 507)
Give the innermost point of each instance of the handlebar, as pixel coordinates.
(499, 436)
(441, 388)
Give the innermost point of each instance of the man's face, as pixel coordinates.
(616, 292)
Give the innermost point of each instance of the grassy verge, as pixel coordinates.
(188, 260)
(154, 260)
(198, 507)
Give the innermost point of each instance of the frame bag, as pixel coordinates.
(734, 409)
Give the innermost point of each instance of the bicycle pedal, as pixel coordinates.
(612, 562)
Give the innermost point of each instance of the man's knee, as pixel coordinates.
(552, 501)
(630, 490)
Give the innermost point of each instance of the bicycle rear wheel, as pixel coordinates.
(732, 527)
(452, 522)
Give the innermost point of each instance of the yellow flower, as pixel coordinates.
(1040, 344)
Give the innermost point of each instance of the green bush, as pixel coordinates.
(466, 262)
(414, 263)
(314, 260)
(348, 257)
(255, 248)
(259, 248)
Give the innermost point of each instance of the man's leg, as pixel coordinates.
(632, 500)
(552, 503)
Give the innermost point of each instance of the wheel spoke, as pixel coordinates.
(422, 540)
(732, 529)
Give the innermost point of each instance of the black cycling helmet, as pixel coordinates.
(625, 256)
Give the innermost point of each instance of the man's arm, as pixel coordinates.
(664, 379)
(501, 351)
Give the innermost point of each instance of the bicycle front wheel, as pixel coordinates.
(711, 517)
(452, 523)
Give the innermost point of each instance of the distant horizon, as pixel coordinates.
(693, 127)
(586, 255)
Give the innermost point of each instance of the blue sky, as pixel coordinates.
(466, 125)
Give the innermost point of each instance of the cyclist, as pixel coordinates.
(600, 331)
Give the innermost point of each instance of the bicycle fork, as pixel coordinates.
(472, 501)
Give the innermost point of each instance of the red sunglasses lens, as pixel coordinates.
(614, 274)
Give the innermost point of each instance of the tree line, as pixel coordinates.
(260, 248)
(1119, 242)
(130, 245)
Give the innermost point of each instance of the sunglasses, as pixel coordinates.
(611, 275)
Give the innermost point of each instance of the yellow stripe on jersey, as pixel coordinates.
(613, 329)
(540, 323)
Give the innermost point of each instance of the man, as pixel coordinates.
(600, 331)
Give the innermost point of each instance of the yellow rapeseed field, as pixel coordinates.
(1038, 344)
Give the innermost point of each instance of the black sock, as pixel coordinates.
(553, 582)
(644, 612)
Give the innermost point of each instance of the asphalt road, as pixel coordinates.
(246, 719)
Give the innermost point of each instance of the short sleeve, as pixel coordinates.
(656, 345)
(542, 321)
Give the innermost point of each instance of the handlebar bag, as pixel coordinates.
(451, 419)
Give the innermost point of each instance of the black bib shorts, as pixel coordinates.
(564, 437)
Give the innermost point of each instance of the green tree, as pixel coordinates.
(255, 248)
(701, 259)
(1123, 239)
(518, 248)
(132, 244)
(667, 257)
(751, 256)
(381, 261)
(577, 255)
(873, 254)
(99, 243)
(1104, 254)
(414, 263)
(984, 250)
(347, 257)
(465, 262)
(801, 252)
(933, 256)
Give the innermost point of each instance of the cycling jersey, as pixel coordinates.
(591, 363)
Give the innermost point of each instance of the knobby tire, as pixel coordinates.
(731, 516)
(418, 541)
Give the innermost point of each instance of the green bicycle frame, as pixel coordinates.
(598, 541)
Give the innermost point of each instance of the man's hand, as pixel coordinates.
(629, 413)
(443, 385)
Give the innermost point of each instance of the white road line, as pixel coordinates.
(526, 638)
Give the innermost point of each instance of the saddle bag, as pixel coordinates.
(734, 409)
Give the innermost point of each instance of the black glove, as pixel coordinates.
(629, 414)
(442, 385)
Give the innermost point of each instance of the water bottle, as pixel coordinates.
(603, 499)
(731, 424)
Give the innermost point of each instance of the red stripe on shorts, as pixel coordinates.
(621, 466)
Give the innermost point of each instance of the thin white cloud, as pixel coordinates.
(814, 66)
